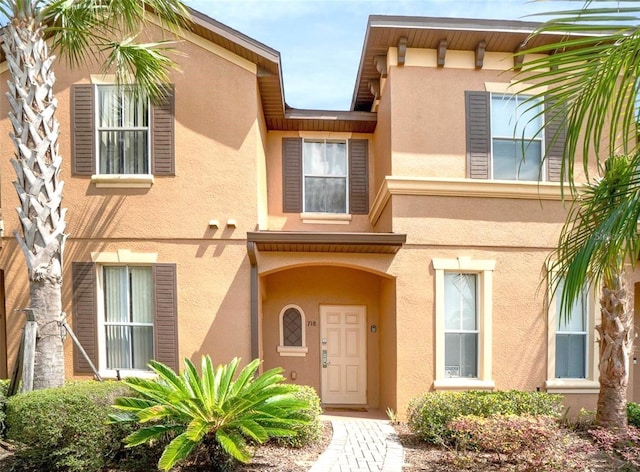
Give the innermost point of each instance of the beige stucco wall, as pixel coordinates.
(220, 174)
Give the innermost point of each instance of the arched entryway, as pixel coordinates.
(331, 327)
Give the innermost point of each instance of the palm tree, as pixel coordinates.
(591, 79)
(598, 240)
(81, 31)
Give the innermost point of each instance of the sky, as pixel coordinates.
(305, 32)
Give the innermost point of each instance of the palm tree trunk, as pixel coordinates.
(616, 340)
(37, 166)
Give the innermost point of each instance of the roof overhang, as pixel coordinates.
(291, 241)
(384, 32)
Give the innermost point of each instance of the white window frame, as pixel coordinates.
(484, 288)
(311, 214)
(590, 383)
(123, 179)
(466, 331)
(119, 258)
(520, 99)
(292, 351)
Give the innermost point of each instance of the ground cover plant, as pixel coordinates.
(215, 416)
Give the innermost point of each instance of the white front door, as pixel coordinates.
(343, 354)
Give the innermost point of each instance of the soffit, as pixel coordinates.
(384, 32)
(284, 241)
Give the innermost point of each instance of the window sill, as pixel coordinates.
(463, 384)
(122, 180)
(142, 374)
(572, 386)
(325, 218)
(293, 351)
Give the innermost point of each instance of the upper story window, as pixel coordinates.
(123, 131)
(325, 176)
(505, 139)
(516, 141)
(120, 139)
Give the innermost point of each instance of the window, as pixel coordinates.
(325, 176)
(124, 313)
(119, 140)
(123, 131)
(463, 299)
(504, 140)
(292, 332)
(128, 323)
(460, 325)
(516, 140)
(571, 340)
(572, 357)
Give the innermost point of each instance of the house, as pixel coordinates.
(375, 254)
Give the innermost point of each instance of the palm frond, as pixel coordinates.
(591, 70)
(178, 449)
(600, 235)
(150, 433)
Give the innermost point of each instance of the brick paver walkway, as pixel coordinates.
(361, 445)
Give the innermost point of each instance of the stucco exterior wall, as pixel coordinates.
(219, 149)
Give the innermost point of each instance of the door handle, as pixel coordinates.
(325, 361)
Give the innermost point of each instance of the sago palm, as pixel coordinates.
(598, 240)
(214, 409)
(81, 31)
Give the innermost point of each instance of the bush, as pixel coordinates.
(625, 445)
(529, 442)
(65, 429)
(311, 430)
(429, 415)
(4, 386)
(633, 414)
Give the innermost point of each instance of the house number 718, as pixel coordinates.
(311, 323)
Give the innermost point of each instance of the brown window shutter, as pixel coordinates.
(292, 175)
(85, 315)
(165, 313)
(478, 123)
(554, 134)
(162, 136)
(83, 130)
(358, 176)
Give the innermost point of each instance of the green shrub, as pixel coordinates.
(633, 414)
(65, 429)
(311, 430)
(430, 414)
(4, 386)
(215, 415)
